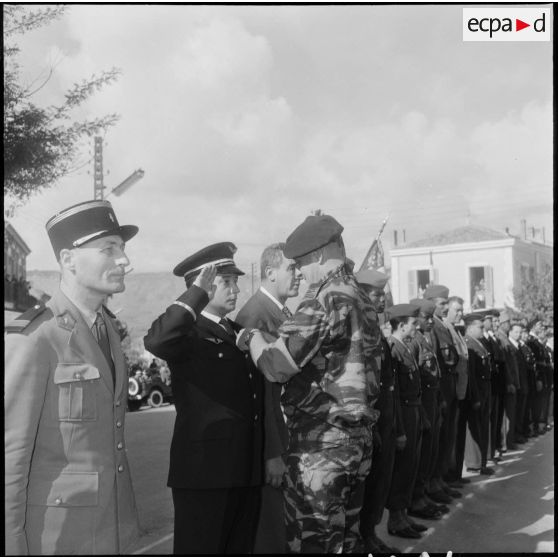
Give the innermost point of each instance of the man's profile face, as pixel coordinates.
(309, 267)
(441, 309)
(287, 277)
(409, 328)
(99, 265)
(475, 329)
(377, 298)
(225, 291)
(425, 321)
(505, 326)
(515, 332)
(487, 323)
(455, 312)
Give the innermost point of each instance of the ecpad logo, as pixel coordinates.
(506, 24)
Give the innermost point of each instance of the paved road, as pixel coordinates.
(511, 512)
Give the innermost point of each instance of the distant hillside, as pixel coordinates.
(146, 296)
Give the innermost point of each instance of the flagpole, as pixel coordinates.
(375, 242)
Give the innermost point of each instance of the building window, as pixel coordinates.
(481, 289)
(419, 279)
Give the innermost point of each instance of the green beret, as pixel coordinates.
(425, 305)
(372, 278)
(403, 311)
(436, 291)
(316, 231)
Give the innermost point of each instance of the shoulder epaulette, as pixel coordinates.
(22, 321)
(109, 312)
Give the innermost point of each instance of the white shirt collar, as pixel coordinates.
(87, 314)
(212, 317)
(514, 343)
(272, 298)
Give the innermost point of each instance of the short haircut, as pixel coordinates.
(272, 256)
(516, 323)
(396, 321)
(457, 299)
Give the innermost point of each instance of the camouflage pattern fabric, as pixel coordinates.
(332, 339)
(325, 491)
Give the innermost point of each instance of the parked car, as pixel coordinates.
(147, 388)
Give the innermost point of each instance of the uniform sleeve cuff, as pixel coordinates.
(194, 300)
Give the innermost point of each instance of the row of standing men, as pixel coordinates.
(319, 405)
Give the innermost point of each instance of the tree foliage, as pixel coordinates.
(41, 144)
(535, 297)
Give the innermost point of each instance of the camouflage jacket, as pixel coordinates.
(335, 346)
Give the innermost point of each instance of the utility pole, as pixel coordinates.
(253, 266)
(98, 176)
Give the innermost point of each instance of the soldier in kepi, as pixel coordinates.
(68, 484)
(326, 353)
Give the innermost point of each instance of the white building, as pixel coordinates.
(480, 265)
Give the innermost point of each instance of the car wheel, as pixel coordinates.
(134, 404)
(133, 387)
(155, 398)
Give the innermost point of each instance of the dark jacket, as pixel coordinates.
(261, 313)
(217, 440)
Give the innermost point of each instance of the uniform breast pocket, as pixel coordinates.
(77, 384)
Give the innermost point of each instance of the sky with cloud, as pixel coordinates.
(246, 118)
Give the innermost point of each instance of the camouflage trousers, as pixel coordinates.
(325, 491)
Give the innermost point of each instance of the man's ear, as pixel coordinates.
(67, 259)
(270, 274)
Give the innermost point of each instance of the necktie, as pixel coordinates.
(228, 327)
(100, 332)
(287, 312)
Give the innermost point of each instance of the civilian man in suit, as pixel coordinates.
(216, 450)
(511, 379)
(266, 311)
(68, 484)
(523, 390)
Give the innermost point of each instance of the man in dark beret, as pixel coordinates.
(424, 348)
(403, 319)
(68, 484)
(448, 358)
(389, 426)
(326, 351)
(216, 451)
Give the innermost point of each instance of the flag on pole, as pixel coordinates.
(375, 257)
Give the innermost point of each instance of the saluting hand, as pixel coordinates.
(206, 278)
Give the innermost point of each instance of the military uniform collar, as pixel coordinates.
(88, 315)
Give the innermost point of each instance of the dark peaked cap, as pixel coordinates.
(316, 231)
(403, 311)
(474, 317)
(83, 222)
(436, 291)
(427, 306)
(372, 278)
(220, 255)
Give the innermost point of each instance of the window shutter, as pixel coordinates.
(412, 284)
(489, 286)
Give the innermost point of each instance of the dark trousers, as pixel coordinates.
(496, 419)
(378, 481)
(406, 461)
(430, 440)
(447, 425)
(479, 422)
(218, 521)
(546, 403)
(520, 411)
(270, 534)
(463, 417)
(510, 405)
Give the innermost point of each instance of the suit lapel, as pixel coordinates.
(81, 341)
(272, 308)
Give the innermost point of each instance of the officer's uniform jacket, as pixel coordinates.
(217, 440)
(543, 363)
(408, 373)
(480, 375)
(530, 362)
(68, 484)
(511, 371)
(424, 350)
